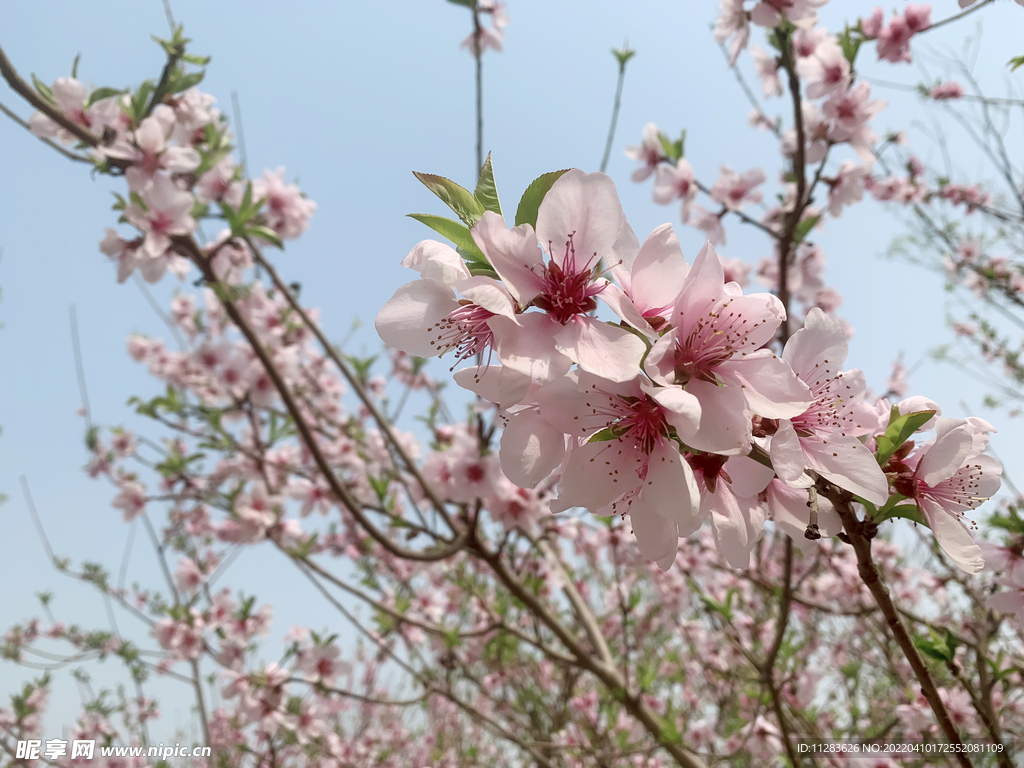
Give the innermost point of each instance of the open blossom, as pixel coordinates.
(579, 224)
(802, 13)
(639, 470)
(734, 190)
(288, 211)
(850, 110)
(719, 338)
(676, 181)
(479, 40)
(733, 21)
(131, 500)
(894, 37)
(709, 223)
(425, 318)
(847, 187)
(650, 152)
(823, 438)
(148, 151)
(70, 97)
(165, 212)
(952, 476)
(826, 70)
(729, 487)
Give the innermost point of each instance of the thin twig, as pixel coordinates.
(79, 368)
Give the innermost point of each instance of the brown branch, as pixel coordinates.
(188, 247)
(860, 534)
(352, 380)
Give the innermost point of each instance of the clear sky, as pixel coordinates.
(350, 98)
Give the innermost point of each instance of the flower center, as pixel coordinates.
(465, 330)
(568, 290)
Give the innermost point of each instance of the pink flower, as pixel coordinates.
(148, 151)
(425, 318)
(823, 437)
(188, 577)
(767, 67)
(650, 152)
(825, 71)
(288, 211)
(675, 181)
(951, 477)
(802, 13)
(872, 25)
(709, 223)
(639, 470)
(850, 110)
(717, 339)
(733, 21)
(132, 499)
(1011, 600)
(949, 90)
(653, 279)
(734, 190)
(847, 187)
(166, 213)
(729, 487)
(579, 223)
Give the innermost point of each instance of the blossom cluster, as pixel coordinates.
(662, 415)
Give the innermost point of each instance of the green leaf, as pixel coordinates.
(804, 227)
(182, 82)
(603, 436)
(265, 233)
(904, 511)
(898, 432)
(476, 269)
(623, 54)
(673, 149)
(1015, 63)
(850, 41)
(43, 88)
(937, 647)
(103, 93)
(459, 199)
(486, 192)
(199, 61)
(453, 230)
(74, 66)
(466, 3)
(529, 203)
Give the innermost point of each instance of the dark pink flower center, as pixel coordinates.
(634, 418)
(568, 290)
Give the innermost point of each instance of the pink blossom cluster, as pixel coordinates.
(894, 38)
(175, 168)
(656, 417)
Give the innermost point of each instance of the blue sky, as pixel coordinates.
(350, 98)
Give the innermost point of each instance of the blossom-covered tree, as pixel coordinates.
(657, 538)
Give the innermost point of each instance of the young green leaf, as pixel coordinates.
(486, 192)
(459, 199)
(804, 227)
(530, 202)
(453, 230)
(43, 88)
(103, 93)
(898, 432)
